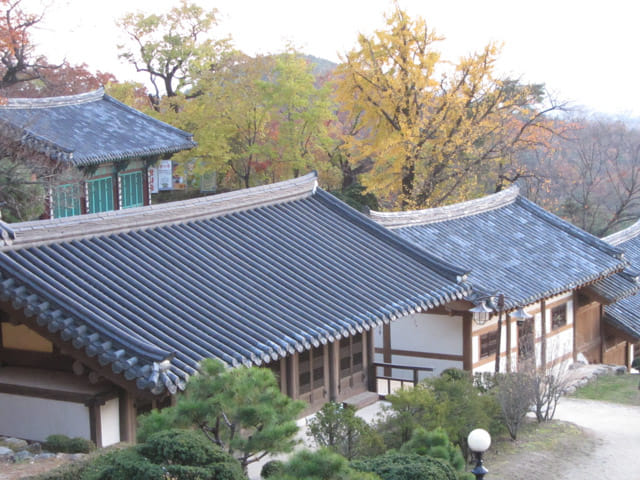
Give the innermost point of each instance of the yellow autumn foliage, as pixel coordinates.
(435, 132)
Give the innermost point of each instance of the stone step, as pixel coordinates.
(362, 400)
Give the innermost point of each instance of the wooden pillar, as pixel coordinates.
(574, 348)
(386, 348)
(95, 423)
(117, 199)
(283, 376)
(507, 321)
(127, 406)
(467, 336)
(603, 337)
(370, 367)
(146, 200)
(334, 370)
(543, 334)
(292, 376)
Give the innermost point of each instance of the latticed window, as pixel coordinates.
(66, 200)
(488, 344)
(559, 316)
(311, 369)
(100, 195)
(350, 355)
(132, 191)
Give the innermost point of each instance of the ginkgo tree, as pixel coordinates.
(432, 130)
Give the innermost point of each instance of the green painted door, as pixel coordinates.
(100, 195)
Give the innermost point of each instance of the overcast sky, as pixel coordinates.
(584, 51)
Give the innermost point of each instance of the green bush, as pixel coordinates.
(322, 464)
(123, 464)
(63, 444)
(436, 444)
(182, 447)
(410, 408)
(271, 468)
(403, 466)
(464, 407)
(337, 427)
(636, 363)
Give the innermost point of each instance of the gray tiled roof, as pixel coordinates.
(625, 313)
(88, 129)
(511, 246)
(246, 277)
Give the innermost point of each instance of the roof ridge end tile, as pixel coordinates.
(624, 235)
(448, 212)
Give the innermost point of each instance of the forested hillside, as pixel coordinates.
(394, 126)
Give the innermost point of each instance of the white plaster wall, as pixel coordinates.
(559, 345)
(110, 422)
(426, 333)
(437, 365)
(423, 332)
(37, 418)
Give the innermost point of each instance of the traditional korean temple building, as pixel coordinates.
(104, 315)
(101, 149)
(523, 257)
(623, 316)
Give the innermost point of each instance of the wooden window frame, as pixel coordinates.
(558, 317)
(311, 372)
(488, 344)
(351, 349)
(132, 189)
(100, 200)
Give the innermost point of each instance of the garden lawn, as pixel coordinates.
(612, 388)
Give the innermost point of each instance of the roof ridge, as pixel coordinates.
(38, 232)
(624, 235)
(449, 212)
(571, 229)
(46, 102)
(450, 271)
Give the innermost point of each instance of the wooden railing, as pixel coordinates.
(395, 383)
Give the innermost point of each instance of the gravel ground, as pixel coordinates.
(617, 432)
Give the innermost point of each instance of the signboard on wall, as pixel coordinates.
(153, 179)
(165, 175)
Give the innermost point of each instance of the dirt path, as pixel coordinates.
(616, 429)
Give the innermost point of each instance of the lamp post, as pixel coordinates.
(479, 442)
(482, 312)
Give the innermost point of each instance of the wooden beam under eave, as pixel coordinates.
(67, 348)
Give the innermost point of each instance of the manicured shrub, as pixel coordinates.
(182, 447)
(123, 464)
(406, 466)
(271, 468)
(436, 444)
(62, 444)
(322, 464)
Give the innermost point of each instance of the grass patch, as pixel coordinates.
(547, 447)
(612, 388)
